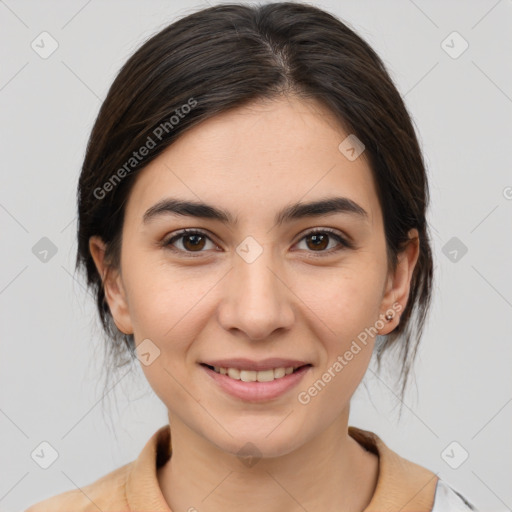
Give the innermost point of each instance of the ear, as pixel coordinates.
(398, 285)
(113, 286)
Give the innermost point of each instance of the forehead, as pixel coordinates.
(255, 159)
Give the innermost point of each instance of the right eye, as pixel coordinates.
(191, 240)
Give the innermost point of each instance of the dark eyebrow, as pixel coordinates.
(295, 211)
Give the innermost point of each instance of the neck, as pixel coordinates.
(331, 472)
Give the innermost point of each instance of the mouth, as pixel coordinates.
(268, 375)
(256, 385)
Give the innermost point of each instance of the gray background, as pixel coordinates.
(51, 366)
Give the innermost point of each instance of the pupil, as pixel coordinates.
(195, 243)
(319, 240)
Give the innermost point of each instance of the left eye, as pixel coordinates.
(194, 241)
(320, 240)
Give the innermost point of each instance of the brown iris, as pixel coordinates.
(196, 243)
(320, 241)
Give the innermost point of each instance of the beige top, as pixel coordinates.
(401, 485)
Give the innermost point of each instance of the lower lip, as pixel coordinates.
(257, 391)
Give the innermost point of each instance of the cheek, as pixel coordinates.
(350, 310)
(346, 300)
(166, 307)
(164, 303)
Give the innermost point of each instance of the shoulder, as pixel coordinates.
(447, 499)
(401, 483)
(133, 486)
(405, 485)
(106, 493)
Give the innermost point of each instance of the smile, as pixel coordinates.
(255, 376)
(256, 385)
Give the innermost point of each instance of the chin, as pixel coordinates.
(260, 441)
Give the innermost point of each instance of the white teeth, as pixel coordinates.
(265, 375)
(248, 375)
(234, 373)
(253, 376)
(280, 372)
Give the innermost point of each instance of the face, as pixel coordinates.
(266, 285)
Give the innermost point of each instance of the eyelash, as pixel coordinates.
(187, 232)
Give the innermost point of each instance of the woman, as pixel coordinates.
(252, 221)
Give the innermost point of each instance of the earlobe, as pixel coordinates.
(398, 286)
(115, 294)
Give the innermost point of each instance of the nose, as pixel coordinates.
(256, 298)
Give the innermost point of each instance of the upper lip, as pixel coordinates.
(248, 364)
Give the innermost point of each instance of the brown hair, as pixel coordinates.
(221, 58)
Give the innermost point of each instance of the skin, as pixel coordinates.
(290, 302)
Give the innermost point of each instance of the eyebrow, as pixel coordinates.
(329, 206)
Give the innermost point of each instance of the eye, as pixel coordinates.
(191, 241)
(319, 239)
(194, 241)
